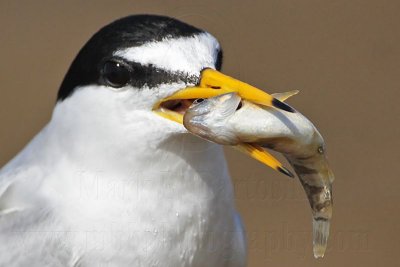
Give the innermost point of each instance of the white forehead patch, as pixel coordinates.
(186, 54)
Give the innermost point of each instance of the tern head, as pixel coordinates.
(136, 62)
(138, 75)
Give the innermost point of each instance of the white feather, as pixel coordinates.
(107, 182)
(186, 54)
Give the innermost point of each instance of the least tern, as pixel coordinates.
(114, 179)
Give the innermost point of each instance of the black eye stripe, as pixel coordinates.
(132, 31)
(115, 73)
(148, 75)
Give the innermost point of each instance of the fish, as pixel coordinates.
(229, 120)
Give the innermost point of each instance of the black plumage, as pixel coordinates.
(127, 32)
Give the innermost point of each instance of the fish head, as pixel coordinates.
(207, 118)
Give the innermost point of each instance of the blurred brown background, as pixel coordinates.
(343, 55)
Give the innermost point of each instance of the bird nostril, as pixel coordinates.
(239, 106)
(213, 86)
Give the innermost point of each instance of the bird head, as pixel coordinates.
(141, 73)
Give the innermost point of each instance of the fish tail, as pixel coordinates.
(320, 236)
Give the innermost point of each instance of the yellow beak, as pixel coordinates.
(214, 83)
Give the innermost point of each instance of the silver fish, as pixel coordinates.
(229, 120)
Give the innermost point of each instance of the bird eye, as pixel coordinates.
(116, 74)
(321, 150)
(198, 101)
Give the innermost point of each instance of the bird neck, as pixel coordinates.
(100, 170)
(89, 142)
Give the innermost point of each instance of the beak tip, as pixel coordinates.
(286, 171)
(281, 105)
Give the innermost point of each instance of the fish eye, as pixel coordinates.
(198, 101)
(321, 150)
(115, 74)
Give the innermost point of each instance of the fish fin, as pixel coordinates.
(285, 95)
(320, 237)
(263, 156)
